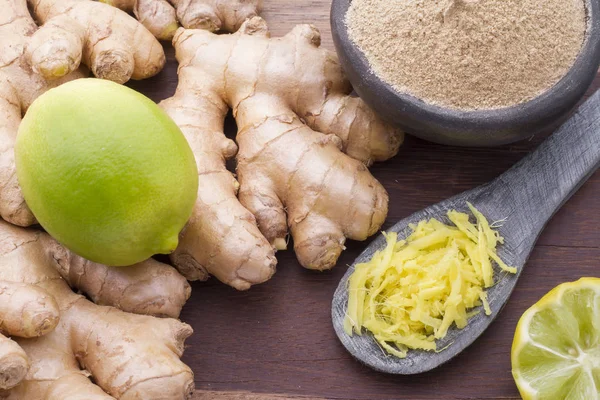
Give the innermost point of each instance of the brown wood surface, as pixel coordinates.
(238, 395)
(276, 340)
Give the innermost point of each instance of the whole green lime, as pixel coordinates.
(106, 171)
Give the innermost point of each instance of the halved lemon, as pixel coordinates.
(556, 350)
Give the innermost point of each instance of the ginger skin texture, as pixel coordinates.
(163, 17)
(304, 144)
(221, 238)
(129, 356)
(149, 287)
(111, 43)
(14, 363)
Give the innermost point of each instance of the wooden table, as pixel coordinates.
(276, 340)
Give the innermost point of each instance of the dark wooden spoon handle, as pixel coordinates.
(543, 181)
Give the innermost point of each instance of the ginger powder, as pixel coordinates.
(410, 293)
(469, 54)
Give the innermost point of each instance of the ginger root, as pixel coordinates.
(296, 119)
(221, 237)
(110, 42)
(162, 17)
(149, 287)
(129, 356)
(14, 363)
(29, 310)
(26, 310)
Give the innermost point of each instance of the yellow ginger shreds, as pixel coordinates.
(411, 292)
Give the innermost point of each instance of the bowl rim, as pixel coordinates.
(539, 111)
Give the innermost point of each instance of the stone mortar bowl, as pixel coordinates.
(468, 128)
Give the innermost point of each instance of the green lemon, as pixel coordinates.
(106, 171)
(556, 349)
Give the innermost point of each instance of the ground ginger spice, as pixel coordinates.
(469, 54)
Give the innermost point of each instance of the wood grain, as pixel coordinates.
(277, 339)
(202, 395)
(209, 395)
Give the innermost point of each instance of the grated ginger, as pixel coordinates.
(410, 293)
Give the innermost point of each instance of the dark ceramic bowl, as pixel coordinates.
(468, 128)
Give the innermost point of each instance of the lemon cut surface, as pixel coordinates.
(556, 349)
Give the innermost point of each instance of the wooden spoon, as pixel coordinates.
(525, 198)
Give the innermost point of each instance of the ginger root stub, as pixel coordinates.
(162, 17)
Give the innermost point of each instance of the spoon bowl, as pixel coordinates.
(524, 199)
